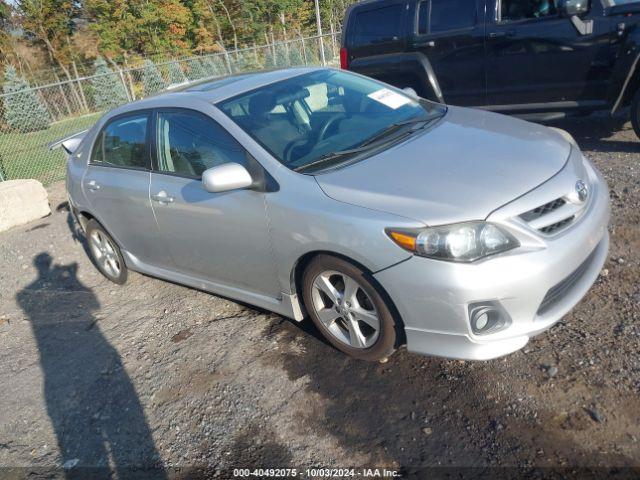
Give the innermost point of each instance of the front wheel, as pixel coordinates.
(347, 308)
(105, 253)
(635, 113)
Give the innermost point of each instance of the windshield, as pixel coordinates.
(323, 116)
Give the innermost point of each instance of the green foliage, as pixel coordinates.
(23, 110)
(195, 69)
(175, 74)
(151, 79)
(108, 91)
(281, 55)
(295, 55)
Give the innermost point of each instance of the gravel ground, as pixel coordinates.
(153, 374)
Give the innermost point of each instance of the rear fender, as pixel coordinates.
(411, 69)
(626, 72)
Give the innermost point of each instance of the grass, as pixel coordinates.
(25, 155)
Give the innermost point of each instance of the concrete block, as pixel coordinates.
(22, 201)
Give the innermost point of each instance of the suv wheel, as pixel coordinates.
(105, 254)
(635, 113)
(349, 311)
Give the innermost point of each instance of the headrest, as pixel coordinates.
(261, 103)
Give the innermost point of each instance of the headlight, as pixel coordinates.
(462, 242)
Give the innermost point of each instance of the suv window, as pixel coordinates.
(443, 15)
(379, 25)
(123, 143)
(512, 10)
(190, 142)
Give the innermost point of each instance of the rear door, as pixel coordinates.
(219, 237)
(450, 33)
(375, 29)
(536, 56)
(116, 184)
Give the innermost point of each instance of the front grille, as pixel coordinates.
(543, 210)
(558, 292)
(554, 227)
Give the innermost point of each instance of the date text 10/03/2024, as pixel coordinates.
(316, 473)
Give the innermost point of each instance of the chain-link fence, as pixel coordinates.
(32, 118)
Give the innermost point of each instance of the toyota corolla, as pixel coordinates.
(387, 219)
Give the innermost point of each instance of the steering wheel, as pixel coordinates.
(329, 123)
(288, 150)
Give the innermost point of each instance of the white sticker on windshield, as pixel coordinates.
(389, 98)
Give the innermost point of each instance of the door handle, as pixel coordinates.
(162, 197)
(502, 34)
(92, 185)
(430, 43)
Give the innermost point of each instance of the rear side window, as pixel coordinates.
(379, 25)
(436, 16)
(123, 143)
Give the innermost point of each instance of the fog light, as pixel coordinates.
(488, 317)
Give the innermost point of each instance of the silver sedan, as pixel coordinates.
(385, 218)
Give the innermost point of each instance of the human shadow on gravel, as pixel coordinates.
(429, 417)
(95, 412)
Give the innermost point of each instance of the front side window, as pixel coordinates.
(436, 16)
(306, 118)
(123, 143)
(513, 10)
(379, 25)
(190, 142)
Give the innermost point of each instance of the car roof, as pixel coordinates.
(213, 90)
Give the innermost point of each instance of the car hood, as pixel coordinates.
(462, 168)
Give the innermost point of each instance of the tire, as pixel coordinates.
(105, 253)
(348, 323)
(635, 113)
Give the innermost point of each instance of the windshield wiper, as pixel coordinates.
(392, 128)
(329, 157)
(366, 145)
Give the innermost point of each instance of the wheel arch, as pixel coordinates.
(301, 264)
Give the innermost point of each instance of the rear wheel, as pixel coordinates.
(105, 253)
(635, 113)
(347, 308)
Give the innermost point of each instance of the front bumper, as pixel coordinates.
(433, 297)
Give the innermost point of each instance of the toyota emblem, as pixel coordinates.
(582, 190)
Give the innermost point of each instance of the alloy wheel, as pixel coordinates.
(105, 254)
(345, 309)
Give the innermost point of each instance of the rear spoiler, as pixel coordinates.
(70, 143)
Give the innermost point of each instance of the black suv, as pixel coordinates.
(539, 59)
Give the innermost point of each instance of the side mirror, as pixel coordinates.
(569, 8)
(230, 176)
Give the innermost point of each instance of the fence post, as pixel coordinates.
(304, 50)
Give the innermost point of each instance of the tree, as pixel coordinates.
(151, 79)
(175, 74)
(108, 91)
(23, 110)
(295, 55)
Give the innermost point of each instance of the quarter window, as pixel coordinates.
(123, 143)
(379, 25)
(189, 143)
(513, 10)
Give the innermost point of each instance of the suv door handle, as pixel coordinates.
(502, 34)
(92, 185)
(430, 43)
(162, 197)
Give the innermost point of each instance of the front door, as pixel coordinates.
(450, 33)
(116, 183)
(537, 56)
(219, 237)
